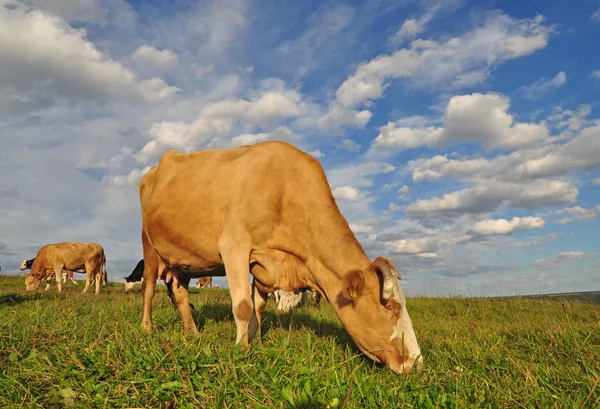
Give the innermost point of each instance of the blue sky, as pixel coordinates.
(461, 138)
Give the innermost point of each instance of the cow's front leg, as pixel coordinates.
(259, 299)
(58, 277)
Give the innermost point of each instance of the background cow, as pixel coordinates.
(267, 209)
(71, 256)
(287, 300)
(26, 265)
(135, 276)
(204, 282)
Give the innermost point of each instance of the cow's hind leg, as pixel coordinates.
(259, 299)
(178, 291)
(70, 276)
(89, 277)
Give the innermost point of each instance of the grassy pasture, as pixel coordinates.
(86, 351)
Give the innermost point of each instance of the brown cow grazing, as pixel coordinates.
(26, 265)
(267, 209)
(204, 282)
(53, 258)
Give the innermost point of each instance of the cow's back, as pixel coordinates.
(71, 255)
(189, 198)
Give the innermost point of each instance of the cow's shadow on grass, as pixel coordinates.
(295, 320)
(14, 299)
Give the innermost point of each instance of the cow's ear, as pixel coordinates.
(354, 285)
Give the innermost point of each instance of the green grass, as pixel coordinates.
(86, 351)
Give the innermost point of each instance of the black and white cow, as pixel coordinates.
(135, 276)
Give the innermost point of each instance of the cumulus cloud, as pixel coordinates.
(362, 228)
(457, 62)
(505, 227)
(202, 71)
(219, 119)
(425, 247)
(476, 118)
(317, 154)
(45, 57)
(440, 166)
(282, 133)
(489, 195)
(89, 11)
(565, 255)
(131, 179)
(499, 39)
(581, 152)
(338, 116)
(161, 59)
(403, 192)
(349, 145)
(348, 194)
(577, 214)
(543, 86)
(409, 29)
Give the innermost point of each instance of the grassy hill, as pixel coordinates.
(86, 351)
(586, 296)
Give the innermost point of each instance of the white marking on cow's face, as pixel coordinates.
(129, 286)
(404, 332)
(23, 265)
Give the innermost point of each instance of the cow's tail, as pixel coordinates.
(104, 272)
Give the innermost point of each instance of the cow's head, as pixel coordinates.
(376, 316)
(129, 284)
(23, 265)
(32, 282)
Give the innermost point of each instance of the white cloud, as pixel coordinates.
(339, 116)
(409, 29)
(596, 15)
(362, 228)
(317, 154)
(348, 194)
(349, 145)
(403, 193)
(389, 168)
(219, 119)
(596, 181)
(477, 118)
(488, 195)
(577, 214)
(595, 74)
(553, 260)
(46, 58)
(202, 71)
(282, 133)
(543, 86)
(129, 180)
(581, 152)
(72, 10)
(440, 166)
(162, 59)
(504, 227)
(430, 63)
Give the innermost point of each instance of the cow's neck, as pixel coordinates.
(333, 253)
